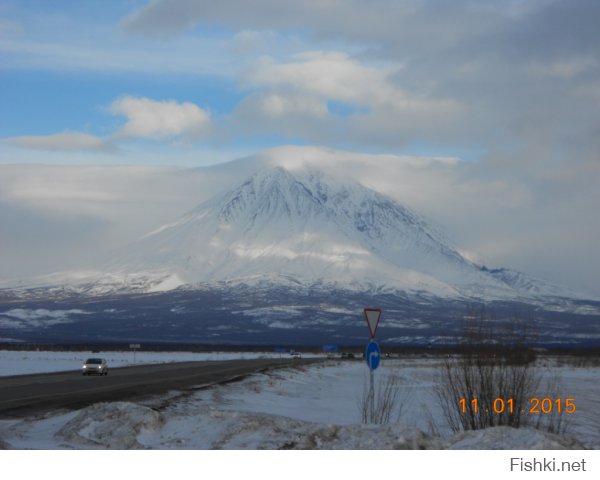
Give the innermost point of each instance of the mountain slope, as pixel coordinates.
(304, 228)
(297, 228)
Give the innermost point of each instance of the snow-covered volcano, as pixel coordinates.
(301, 227)
(287, 256)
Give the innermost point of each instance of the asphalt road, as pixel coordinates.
(71, 389)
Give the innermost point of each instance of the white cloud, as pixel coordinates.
(161, 119)
(332, 75)
(294, 115)
(350, 100)
(277, 105)
(66, 141)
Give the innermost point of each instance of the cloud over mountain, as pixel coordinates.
(160, 119)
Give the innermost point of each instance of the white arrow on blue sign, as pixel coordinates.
(373, 355)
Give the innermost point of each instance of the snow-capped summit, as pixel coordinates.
(303, 227)
(294, 226)
(286, 254)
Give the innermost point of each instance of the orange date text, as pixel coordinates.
(536, 406)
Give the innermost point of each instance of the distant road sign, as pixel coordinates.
(373, 355)
(134, 345)
(372, 316)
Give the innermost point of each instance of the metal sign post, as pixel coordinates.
(372, 355)
(372, 395)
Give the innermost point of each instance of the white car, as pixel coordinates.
(296, 355)
(94, 366)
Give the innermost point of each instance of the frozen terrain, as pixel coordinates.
(302, 407)
(26, 362)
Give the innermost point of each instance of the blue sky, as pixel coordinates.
(509, 90)
(489, 81)
(65, 64)
(472, 80)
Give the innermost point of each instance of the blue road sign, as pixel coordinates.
(373, 355)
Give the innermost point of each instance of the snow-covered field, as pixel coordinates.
(314, 406)
(24, 362)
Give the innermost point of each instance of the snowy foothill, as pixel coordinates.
(313, 406)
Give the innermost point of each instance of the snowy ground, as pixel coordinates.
(313, 406)
(25, 362)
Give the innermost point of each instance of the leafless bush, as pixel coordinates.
(554, 421)
(491, 382)
(389, 401)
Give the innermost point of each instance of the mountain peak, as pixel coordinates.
(299, 226)
(269, 192)
(304, 225)
(296, 226)
(307, 192)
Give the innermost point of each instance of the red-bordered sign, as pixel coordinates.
(372, 317)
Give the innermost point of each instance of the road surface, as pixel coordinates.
(71, 389)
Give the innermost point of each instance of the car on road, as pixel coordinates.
(94, 366)
(296, 355)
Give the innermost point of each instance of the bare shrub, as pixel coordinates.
(496, 368)
(389, 401)
(555, 421)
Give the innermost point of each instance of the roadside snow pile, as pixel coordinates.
(110, 425)
(502, 438)
(370, 437)
(123, 425)
(224, 429)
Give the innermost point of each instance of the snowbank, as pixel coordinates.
(124, 425)
(502, 438)
(109, 425)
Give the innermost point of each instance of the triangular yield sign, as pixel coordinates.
(372, 315)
